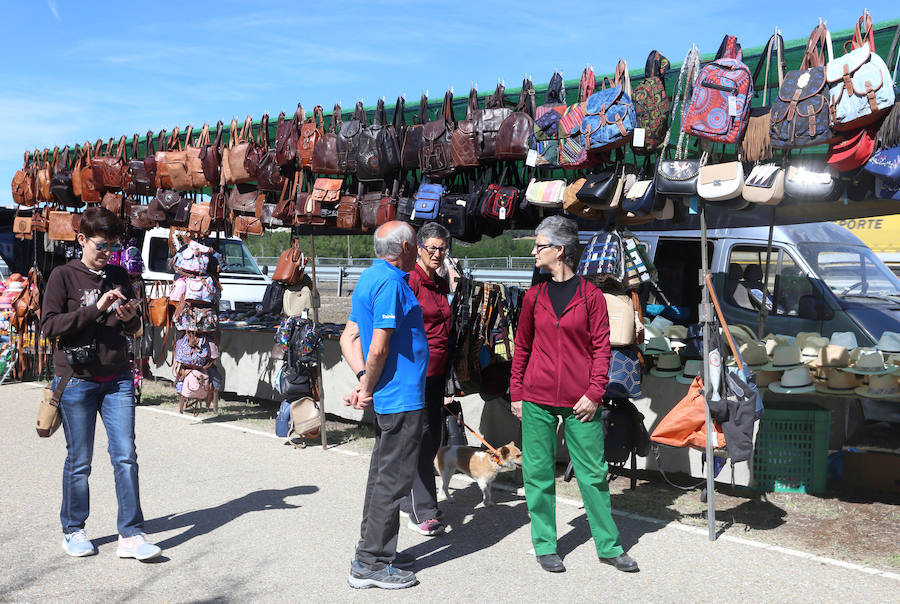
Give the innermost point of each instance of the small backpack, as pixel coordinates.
(195, 385)
(651, 105)
(720, 104)
(199, 289)
(192, 350)
(609, 119)
(428, 201)
(192, 258)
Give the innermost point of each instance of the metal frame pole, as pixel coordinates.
(315, 308)
(763, 311)
(705, 320)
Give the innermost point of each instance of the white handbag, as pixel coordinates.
(765, 185)
(545, 193)
(720, 182)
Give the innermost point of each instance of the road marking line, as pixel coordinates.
(665, 524)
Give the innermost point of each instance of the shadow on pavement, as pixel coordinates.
(202, 522)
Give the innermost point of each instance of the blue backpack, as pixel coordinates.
(428, 201)
(283, 420)
(609, 119)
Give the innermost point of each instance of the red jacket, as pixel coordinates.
(432, 296)
(556, 361)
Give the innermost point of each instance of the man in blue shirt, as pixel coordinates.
(384, 343)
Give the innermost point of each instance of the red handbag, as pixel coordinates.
(853, 152)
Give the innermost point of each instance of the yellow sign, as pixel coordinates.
(881, 234)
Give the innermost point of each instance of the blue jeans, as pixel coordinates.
(80, 403)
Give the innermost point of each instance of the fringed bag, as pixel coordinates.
(756, 145)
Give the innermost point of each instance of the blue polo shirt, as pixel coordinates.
(382, 299)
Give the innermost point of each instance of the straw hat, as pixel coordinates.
(764, 378)
(676, 334)
(839, 382)
(796, 380)
(668, 364)
(802, 336)
(692, 369)
(741, 334)
(880, 386)
(869, 362)
(847, 339)
(657, 345)
(753, 354)
(831, 355)
(811, 346)
(772, 340)
(889, 342)
(784, 356)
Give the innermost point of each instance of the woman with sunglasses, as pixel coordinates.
(90, 307)
(431, 290)
(560, 370)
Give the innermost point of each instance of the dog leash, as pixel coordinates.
(495, 454)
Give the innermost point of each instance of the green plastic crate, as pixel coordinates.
(791, 448)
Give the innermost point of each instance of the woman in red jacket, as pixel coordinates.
(560, 369)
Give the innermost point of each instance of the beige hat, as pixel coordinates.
(753, 353)
(889, 342)
(839, 382)
(764, 378)
(796, 380)
(772, 340)
(784, 356)
(831, 355)
(881, 386)
(801, 337)
(869, 362)
(741, 334)
(692, 369)
(811, 346)
(668, 364)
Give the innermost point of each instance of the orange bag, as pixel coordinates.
(685, 424)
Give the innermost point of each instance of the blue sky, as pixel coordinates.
(86, 70)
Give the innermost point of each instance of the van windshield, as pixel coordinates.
(237, 259)
(850, 270)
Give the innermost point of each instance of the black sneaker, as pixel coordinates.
(385, 578)
(551, 563)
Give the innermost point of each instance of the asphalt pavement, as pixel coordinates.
(245, 518)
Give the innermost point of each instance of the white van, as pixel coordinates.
(243, 283)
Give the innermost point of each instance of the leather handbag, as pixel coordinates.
(413, 140)
(455, 217)
(49, 417)
(291, 263)
(287, 135)
(756, 144)
(113, 202)
(196, 175)
(158, 308)
(21, 226)
(545, 193)
(801, 115)
(311, 130)
(574, 206)
(268, 172)
(463, 144)
(368, 210)
(40, 220)
(90, 191)
(109, 170)
(284, 209)
(42, 174)
(609, 119)
(306, 420)
(720, 182)
(853, 152)
(139, 181)
(243, 198)
(170, 153)
(139, 217)
(325, 154)
(378, 153)
(348, 140)
(348, 213)
(247, 225)
(199, 220)
(240, 158)
(217, 205)
(23, 192)
(651, 104)
(164, 205)
(488, 122)
(514, 135)
(764, 185)
(387, 210)
(61, 191)
(61, 227)
(499, 202)
(211, 158)
(436, 156)
(809, 181)
(603, 190)
(677, 177)
(860, 82)
(640, 199)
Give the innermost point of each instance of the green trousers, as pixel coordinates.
(585, 443)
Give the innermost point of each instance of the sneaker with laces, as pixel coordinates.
(388, 577)
(78, 545)
(137, 547)
(429, 528)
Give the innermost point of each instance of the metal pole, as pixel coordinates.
(315, 308)
(705, 319)
(763, 311)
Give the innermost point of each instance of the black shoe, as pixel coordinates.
(551, 563)
(622, 562)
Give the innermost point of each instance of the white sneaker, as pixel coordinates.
(77, 544)
(137, 547)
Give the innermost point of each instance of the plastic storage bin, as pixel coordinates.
(791, 449)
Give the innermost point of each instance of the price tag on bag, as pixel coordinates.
(732, 106)
(638, 140)
(531, 158)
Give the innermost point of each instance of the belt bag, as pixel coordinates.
(764, 185)
(545, 193)
(885, 164)
(677, 177)
(719, 182)
(852, 153)
(428, 202)
(809, 182)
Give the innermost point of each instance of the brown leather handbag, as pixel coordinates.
(387, 210)
(109, 170)
(268, 173)
(291, 263)
(435, 156)
(61, 181)
(412, 139)
(514, 136)
(140, 182)
(348, 213)
(311, 130)
(195, 172)
(348, 140)
(368, 210)
(139, 217)
(462, 146)
(243, 198)
(211, 158)
(176, 161)
(61, 226)
(286, 137)
(217, 205)
(23, 184)
(247, 225)
(43, 173)
(112, 202)
(158, 308)
(90, 191)
(240, 158)
(40, 221)
(284, 209)
(325, 154)
(170, 145)
(488, 121)
(22, 227)
(199, 221)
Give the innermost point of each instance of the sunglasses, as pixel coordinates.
(105, 246)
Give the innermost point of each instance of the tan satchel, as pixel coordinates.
(235, 167)
(291, 264)
(49, 417)
(620, 309)
(61, 226)
(22, 226)
(305, 417)
(176, 173)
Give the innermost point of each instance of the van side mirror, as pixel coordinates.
(814, 308)
(265, 269)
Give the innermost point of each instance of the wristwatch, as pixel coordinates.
(360, 374)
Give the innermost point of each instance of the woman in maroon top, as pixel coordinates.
(431, 290)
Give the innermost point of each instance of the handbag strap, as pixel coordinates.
(204, 136)
(863, 33)
(149, 145)
(691, 63)
(398, 118)
(380, 114)
(472, 103)
(895, 58)
(776, 44)
(587, 84)
(819, 50)
(423, 109)
(526, 98)
(64, 378)
(359, 113)
(729, 49)
(246, 132)
(447, 108)
(318, 118)
(135, 149)
(264, 130)
(335, 118)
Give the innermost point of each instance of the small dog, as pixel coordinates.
(480, 465)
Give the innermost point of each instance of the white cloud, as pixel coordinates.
(51, 4)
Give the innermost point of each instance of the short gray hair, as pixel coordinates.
(390, 244)
(432, 230)
(563, 231)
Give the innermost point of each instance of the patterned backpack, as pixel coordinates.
(720, 104)
(572, 154)
(609, 119)
(192, 350)
(545, 141)
(651, 105)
